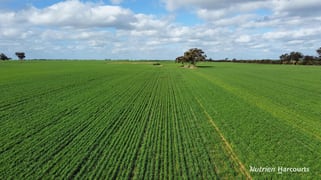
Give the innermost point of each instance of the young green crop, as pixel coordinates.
(101, 120)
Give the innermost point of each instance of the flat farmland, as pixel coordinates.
(135, 120)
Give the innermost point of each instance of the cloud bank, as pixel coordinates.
(225, 29)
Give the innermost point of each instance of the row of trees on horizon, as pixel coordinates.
(20, 55)
(296, 58)
(193, 55)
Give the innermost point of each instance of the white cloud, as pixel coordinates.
(280, 7)
(209, 14)
(297, 7)
(83, 29)
(78, 14)
(293, 34)
(210, 4)
(243, 39)
(148, 22)
(6, 18)
(234, 20)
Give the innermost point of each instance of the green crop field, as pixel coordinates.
(135, 120)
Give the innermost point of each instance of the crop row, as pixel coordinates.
(259, 135)
(135, 121)
(50, 146)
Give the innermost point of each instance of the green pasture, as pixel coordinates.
(135, 120)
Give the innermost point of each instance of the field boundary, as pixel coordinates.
(228, 146)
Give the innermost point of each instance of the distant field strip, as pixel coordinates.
(124, 120)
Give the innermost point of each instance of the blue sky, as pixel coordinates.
(159, 29)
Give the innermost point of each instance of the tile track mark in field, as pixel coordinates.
(228, 147)
(281, 113)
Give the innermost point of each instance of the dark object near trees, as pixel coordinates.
(308, 60)
(319, 52)
(285, 58)
(20, 55)
(3, 57)
(180, 59)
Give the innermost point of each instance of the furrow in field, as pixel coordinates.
(35, 93)
(177, 162)
(65, 136)
(74, 131)
(92, 154)
(150, 116)
(228, 147)
(7, 147)
(207, 164)
(123, 137)
(196, 158)
(292, 119)
(179, 125)
(214, 144)
(153, 158)
(188, 140)
(85, 138)
(255, 132)
(291, 95)
(168, 144)
(131, 144)
(144, 166)
(109, 121)
(39, 125)
(33, 97)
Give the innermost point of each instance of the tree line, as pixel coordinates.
(299, 58)
(296, 58)
(20, 55)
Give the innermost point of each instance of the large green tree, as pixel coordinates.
(295, 56)
(192, 56)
